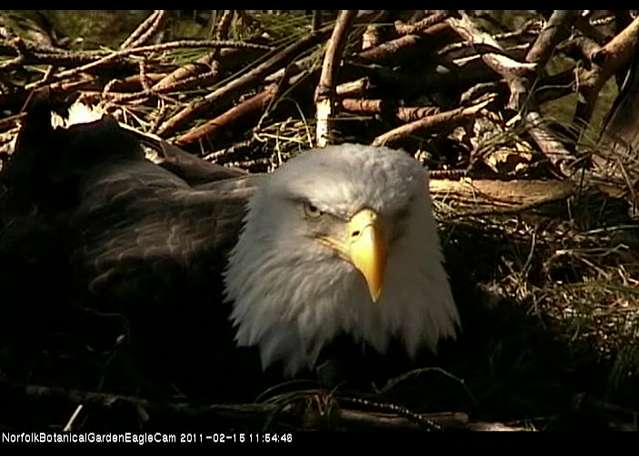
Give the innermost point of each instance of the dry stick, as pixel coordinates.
(141, 33)
(10, 45)
(372, 37)
(585, 27)
(606, 62)
(18, 98)
(376, 32)
(445, 120)
(579, 48)
(298, 66)
(325, 92)
(223, 26)
(564, 193)
(13, 64)
(379, 54)
(243, 110)
(138, 97)
(139, 30)
(389, 421)
(524, 34)
(65, 87)
(105, 400)
(133, 83)
(419, 26)
(556, 86)
(556, 30)
(203, 64)
(74, 416)
(548, 143)
(222, 123)
(366, 106)
(620, 49)
(511, 70)
(142, 72)
(497, 88)
(249, 21)
(405, 47)
(248, 80)
(153, 29)
(211, 63)
(206, 63)
(10, 122)
(460, 73)
(316, 21)
(67, 59)
(452, 174)
(247, 412)
(413, 113)
(375, 107)
(156, 48)
(385, 51)
(353, 88)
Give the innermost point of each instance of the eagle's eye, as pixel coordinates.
(311, 211)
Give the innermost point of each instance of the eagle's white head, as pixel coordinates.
(340, 239)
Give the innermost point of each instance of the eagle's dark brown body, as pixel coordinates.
(101, 245)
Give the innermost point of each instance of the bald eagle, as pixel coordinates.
(203, 263)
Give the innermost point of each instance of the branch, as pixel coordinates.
(299, 410)
(422, 25)
(445, 120)
(118, 55)
(146, 30)
(211, 129)
(325, 92)
(250, 79)
(556, 30)
(606, 62)
(512, 71)
(548, 143)
(405, 48)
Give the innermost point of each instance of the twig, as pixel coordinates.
(511, 70)
(353, 88)
(387, 108)
(561, 195)
(222, 95)
(447, 120)
(556, 30)
(406, 47)
(324, 95)
(606, 62)
(145, 30)
(74, 416)
(223, 26)
(223, 122)
(195, 44)
(430, 20)
(548, 143)
(316, 21)
(246, 413)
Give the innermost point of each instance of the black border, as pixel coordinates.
(378, 443)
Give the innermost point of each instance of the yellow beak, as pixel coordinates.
(367, 249)
(364, 246)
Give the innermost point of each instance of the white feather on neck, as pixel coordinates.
(78, 113)
(290, 300)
